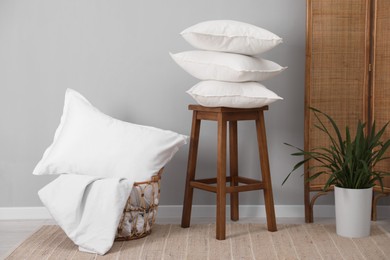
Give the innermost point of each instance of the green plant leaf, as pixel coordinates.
(347, 163)
(335, 127)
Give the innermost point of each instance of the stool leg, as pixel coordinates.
(233, 149)
(191, 167)
(221, 178)
(265, 172)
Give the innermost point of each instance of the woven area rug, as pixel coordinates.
(244, 241)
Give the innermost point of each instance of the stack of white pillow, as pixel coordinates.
(225, 63)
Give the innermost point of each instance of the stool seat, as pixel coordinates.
(223, 115)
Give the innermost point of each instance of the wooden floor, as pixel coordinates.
(13, 232)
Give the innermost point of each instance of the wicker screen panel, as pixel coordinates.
(381, 79)
(337, 83)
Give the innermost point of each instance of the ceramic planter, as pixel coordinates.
(353, 211)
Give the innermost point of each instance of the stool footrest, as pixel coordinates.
(203, 186)
(250, 184)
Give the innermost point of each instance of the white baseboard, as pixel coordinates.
(198, 211)
(255, 211)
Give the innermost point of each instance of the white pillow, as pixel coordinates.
(211, 65)
(230, 36)
(89, 142)
(227, 94)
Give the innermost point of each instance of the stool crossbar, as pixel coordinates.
(223, 115)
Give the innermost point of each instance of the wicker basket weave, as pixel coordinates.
(140, 211)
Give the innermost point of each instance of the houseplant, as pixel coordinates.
(349, 164)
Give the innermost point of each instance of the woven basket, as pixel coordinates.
(140, 211)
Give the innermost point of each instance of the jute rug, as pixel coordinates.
(244, 241)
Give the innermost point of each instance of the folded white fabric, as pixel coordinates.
(98, 158)
(82, 249)
(87, 208)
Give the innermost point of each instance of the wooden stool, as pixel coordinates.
(223, 115)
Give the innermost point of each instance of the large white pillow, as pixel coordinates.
(230, 36)
(228, 94)
(89, 142)
(211, 65)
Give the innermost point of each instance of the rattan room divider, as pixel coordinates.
(347, 75)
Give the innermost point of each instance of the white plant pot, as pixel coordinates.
(353, 211)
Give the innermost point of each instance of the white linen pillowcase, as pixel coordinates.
(230, 36)
(89, 142)
(211, 65)
(228, 94)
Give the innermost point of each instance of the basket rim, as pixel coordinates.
(155, 178)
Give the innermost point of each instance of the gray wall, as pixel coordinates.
(116, 54)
